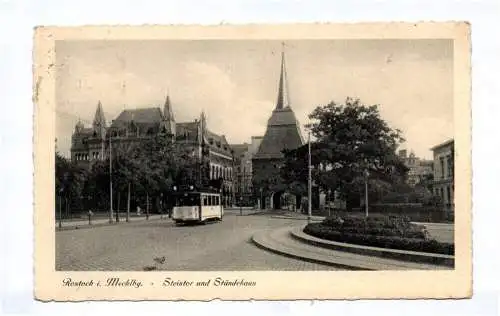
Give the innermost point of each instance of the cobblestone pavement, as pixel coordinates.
(133, 246)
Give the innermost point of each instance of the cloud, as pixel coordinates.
(226, 104)
(235, 82)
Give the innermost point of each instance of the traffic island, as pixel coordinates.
(282, 242)
(403, 255)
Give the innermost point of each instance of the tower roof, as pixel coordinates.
(99, 119)
(283, 94)
(283, 131)
(144, 115)
(167, 110)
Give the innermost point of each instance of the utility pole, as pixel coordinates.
(241, 194)
(60, 209)
(128, 203)
(367, 174)
(110, 182)
(147, 205)
(309, 187)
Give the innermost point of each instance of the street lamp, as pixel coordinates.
(110, 182)
(366, 174)
(261, 204)
(242, 178)
(309, 187)
(60, 207)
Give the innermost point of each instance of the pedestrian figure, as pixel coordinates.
(138, 210)
(90, 213)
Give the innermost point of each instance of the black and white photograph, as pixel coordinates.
(279, 154)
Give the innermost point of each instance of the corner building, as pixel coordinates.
(134, 125)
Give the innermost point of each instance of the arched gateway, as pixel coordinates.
(283, 132)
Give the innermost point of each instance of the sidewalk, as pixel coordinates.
(105, 221)
(280, 241)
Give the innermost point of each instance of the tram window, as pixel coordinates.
(205, 200)
(216, 200)
(188, 200)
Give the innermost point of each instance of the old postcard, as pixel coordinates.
(268, 162)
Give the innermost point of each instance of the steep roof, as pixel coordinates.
(218, 143)
(167, 110)
(283, 93)
(239, 149)
(187, 131)
(446, 143)
(146, 115)
(282, 132)
(99, 119)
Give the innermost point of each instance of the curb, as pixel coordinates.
(403, 255)
(262, 245)
(98, 225)
(297, 218)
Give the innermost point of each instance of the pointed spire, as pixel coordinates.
(79, 126)
(203, 120)
(283, 95)
(168, 117)
(99, 119)
(167, 110)
(99, 123)
(202, 126)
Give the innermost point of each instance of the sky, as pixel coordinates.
(236, 82)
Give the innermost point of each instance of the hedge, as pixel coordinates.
(417, 213)
(378, 231)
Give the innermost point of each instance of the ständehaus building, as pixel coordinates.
(282, 132)
(90, 144)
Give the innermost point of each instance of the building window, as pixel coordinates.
(449, 163)
(441, 162)
(448, 195)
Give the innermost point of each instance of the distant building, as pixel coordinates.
(243, 154)
(92, 144)
(443, 184)
(282, 132)
(419, 168)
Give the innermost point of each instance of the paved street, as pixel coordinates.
(133, 246)
(441, 232)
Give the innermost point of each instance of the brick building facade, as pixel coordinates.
(92, 143)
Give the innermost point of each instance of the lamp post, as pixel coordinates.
(110, 182)
(241, 194)
(309, 186)
(367, 174)
(242, 185)
(60, 207)
(261, 204)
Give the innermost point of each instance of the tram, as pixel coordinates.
(194, 205)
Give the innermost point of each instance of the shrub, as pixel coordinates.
(378, 231)
(376, 225)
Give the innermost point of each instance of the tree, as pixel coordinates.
(146, 168)
(351, 138)
(69, 182)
